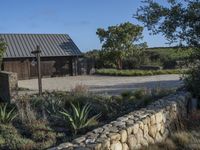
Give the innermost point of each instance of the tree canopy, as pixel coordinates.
(178, 21)
(118, 40)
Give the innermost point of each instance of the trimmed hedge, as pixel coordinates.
(115, 72)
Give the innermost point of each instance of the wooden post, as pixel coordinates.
(37, 54)
(39, 73)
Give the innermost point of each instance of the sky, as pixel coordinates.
(78, 18)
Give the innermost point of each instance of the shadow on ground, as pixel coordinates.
(119, 88)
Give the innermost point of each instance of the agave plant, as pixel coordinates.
(79, 117)
(6, 115)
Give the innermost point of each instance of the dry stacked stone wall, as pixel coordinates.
(136, 129)
(8, 85)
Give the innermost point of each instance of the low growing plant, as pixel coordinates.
(79, 117)
(7, 115)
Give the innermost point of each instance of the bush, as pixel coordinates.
(79, 117)
(79, 89)
(182, 139)
(41, 134)
(7, 115)
(10, 139)
(115, 72)
(192, 82)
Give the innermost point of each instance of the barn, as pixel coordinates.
(59, 55)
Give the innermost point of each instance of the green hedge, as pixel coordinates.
(115, 72)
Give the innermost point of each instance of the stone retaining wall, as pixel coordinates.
(8, 85)
(136, 129)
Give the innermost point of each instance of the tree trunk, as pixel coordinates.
(119, 64)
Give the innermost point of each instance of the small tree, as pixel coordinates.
(2, 50)
(118, 40)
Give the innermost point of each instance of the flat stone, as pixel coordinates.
(132, 141)
(159, 117)
(135, 128)
(114, 136)
(129, 130)
(98, 130)
(125, 146)
(79, 140)
(122, 119)
(141, 125)
(129, 122)
(153, 120)
(146, 129)
(159, 126)
(103, 136)
(113, 129)
(139, 135)
(90, 141)
(119, 123)
(65, 145)
(152, 131)
(116, 146)
(124, 136)
(158, 137)
(106, 144)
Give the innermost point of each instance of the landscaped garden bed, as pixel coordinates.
(34, 122)
(115, 72)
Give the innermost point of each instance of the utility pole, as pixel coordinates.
(37, 54)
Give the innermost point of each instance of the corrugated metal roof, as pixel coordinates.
(51, 45)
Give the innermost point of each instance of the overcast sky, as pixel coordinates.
(78, 18)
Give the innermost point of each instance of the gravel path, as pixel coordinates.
(104, 84)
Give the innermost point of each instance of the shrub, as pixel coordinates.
(127, 94)
(7, 115)
(12, 140)
(79, 89)
(139, 94)
(182, 139)
(192, 82)
(25, 110)
(41, 134)
(114, 72)
(79, 117)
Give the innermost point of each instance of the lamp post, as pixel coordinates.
(37, 55)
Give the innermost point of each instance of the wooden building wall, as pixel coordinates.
(50, 67)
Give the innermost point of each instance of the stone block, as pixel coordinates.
(116, 146)
(124, 136)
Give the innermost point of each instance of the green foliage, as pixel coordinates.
(114, 72)
(7, 115)
(118, 41)
(41, 134)
(169, 58)
(178, 21)
(192, 82)
(12, 140)
(79, 117)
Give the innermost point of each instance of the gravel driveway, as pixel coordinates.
(104, 84)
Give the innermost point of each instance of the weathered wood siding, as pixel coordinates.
(52, 66)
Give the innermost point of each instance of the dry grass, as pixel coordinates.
(187, 139)
(79, 89)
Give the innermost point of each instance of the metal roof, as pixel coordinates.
(51, 45)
